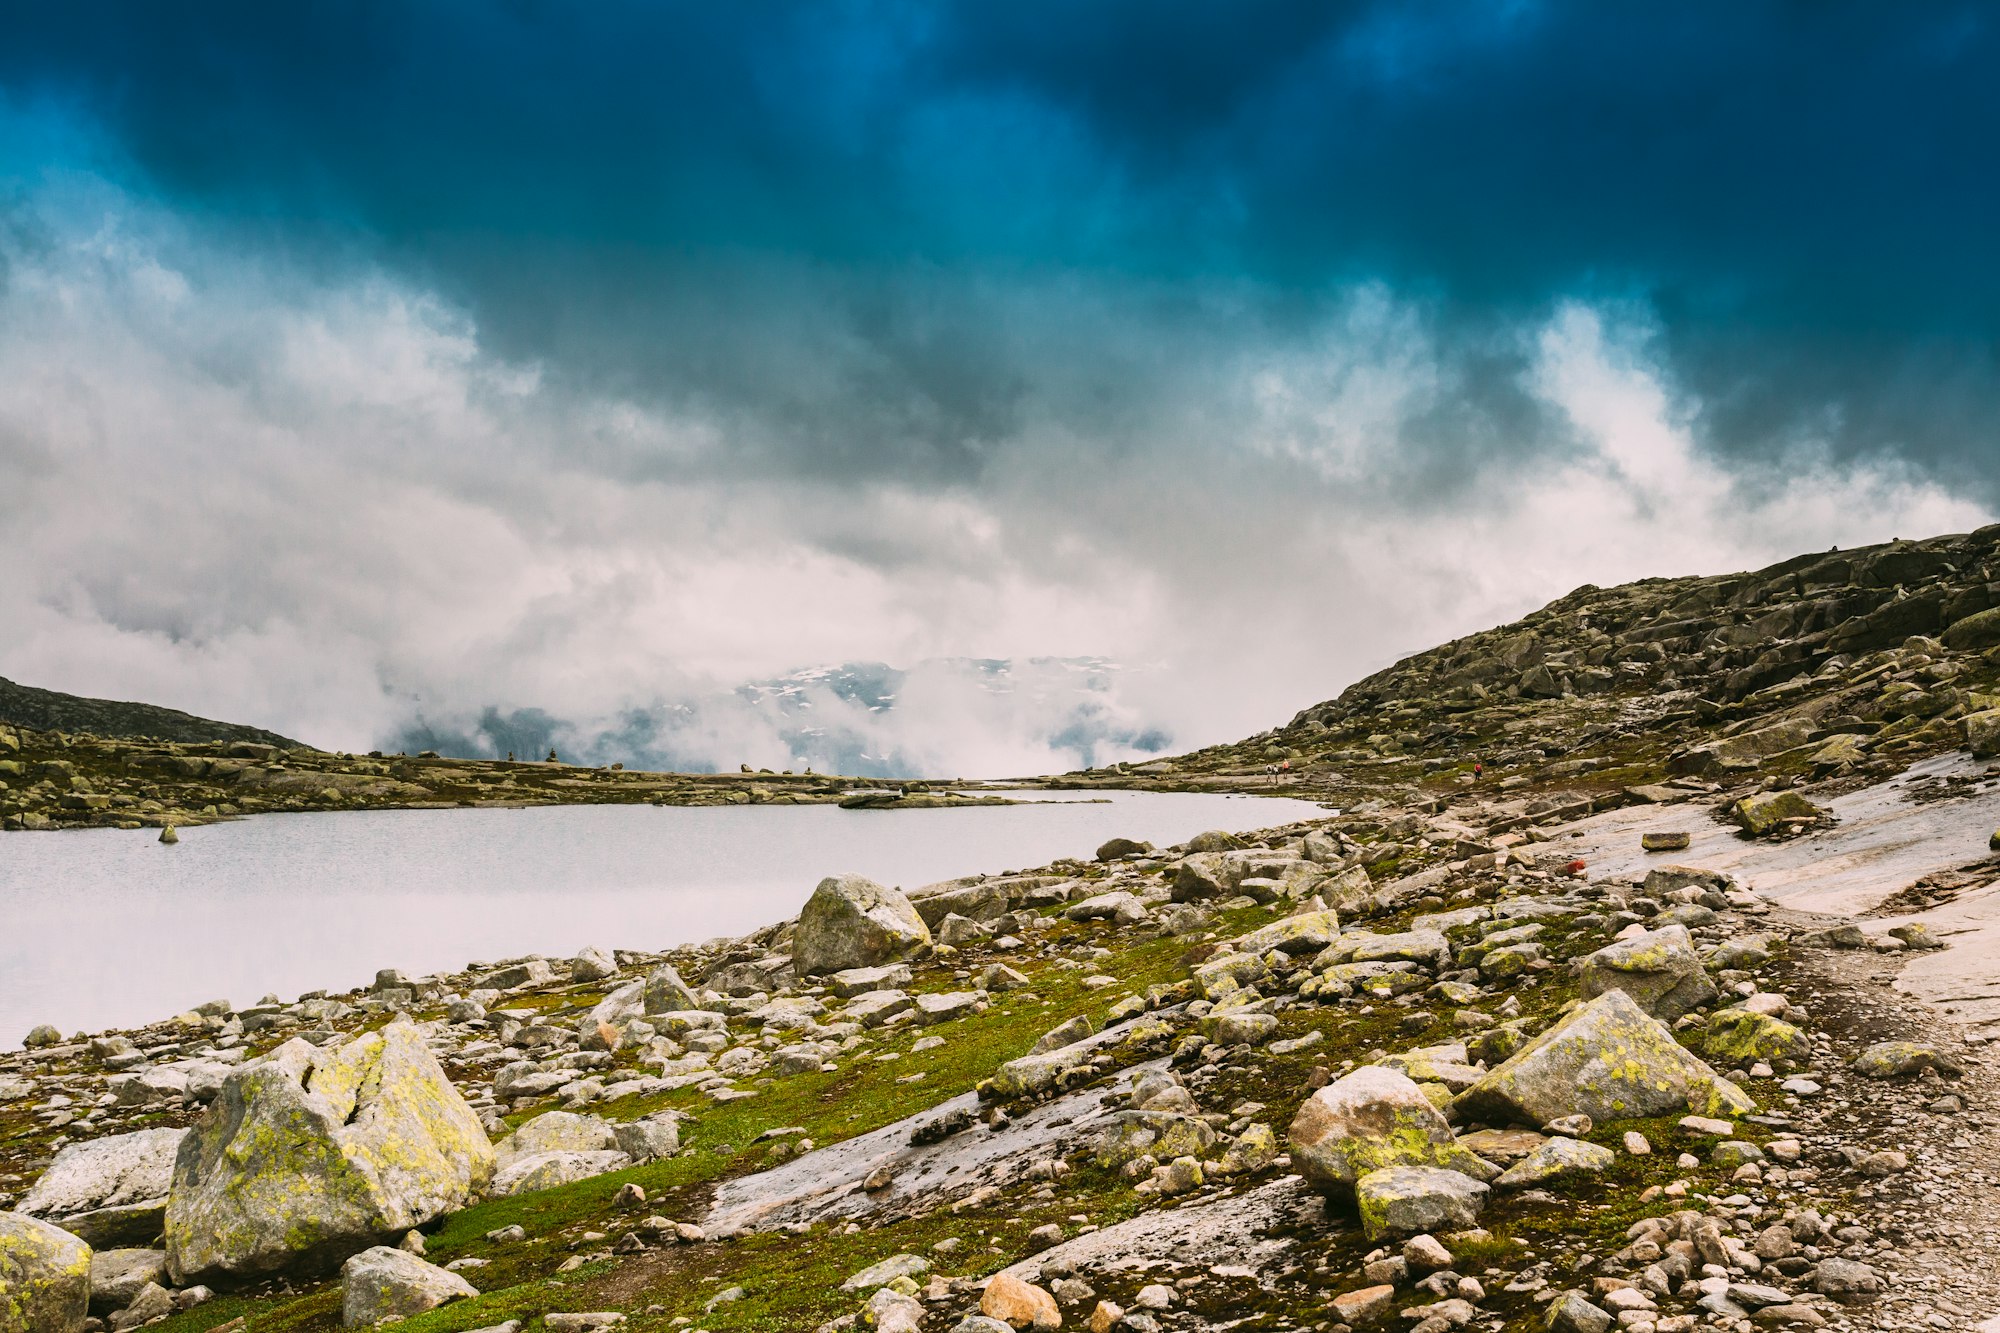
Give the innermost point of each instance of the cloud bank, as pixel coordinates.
(371, 372)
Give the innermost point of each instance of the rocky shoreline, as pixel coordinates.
(1238, 1083)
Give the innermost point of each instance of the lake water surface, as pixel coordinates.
(108, 928)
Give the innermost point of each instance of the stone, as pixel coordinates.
(892, 1311)
(117, 1276)
(40, 1035)
(1308, 932)
(1571, 1313)
(1019, 1304)
(1237, 1027)
(308, 1156)
(944, 1007)
(1982, 733)
(151, 1302)
(44, 1277)
(651, 1139)
(1371, 1119)
(1556, 1158)
(1404, 1200)
(1121, 847)
(516, 976)
(667, 993)
(1664, 842)
(1658, 968)
(547, 1170)
(854, 922)
(110, 1191)
(1762, 813)
(1900, 1059)
(593, 964)
(384, 1283)
(855, 981)
(1607, 1059)
(555, 1131)
(1847, 1281)
(1741, 1037)
(888, 1270)
(1366, 1305)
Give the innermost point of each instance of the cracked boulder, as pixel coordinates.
(309, 1156)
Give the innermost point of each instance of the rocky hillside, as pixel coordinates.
(47, 710)
(1243, 1084)
(1847, 661)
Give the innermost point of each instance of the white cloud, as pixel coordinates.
(319, 504)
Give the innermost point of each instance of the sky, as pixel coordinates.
(373, 369)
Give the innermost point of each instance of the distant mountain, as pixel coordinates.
(944, 717)
(49, 710)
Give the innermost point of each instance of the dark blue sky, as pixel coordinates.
(1806, 195)
(368, 362)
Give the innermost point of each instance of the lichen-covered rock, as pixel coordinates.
(1557, 1156)
(110, 1191)
(383, 1283)
(1659, 969)
(1163, 1135)
(665, 991)
(854, 922)
(308, 1156)
(1406, 1200)
(1762, 813)
(1371, 1119)
(1308, 932)
(1426, 948)
(44, 1277)
(1608, 1059)
(1742, 1037)
(1899, 1059)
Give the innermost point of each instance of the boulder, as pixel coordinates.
(44, 1277)
(1659, 969)
(1117, 847)
(308, 1156)
(546, 1170)
(1557, 1156)
(1899, 1059)
(1205, 875)
(860, 980)
(1741, 1038)
(556, 1131)
(1371, 1119)
(854, 922)
(1607, 1059)
(976, 900)
(1019, 1304)
(592, 964)
(1426, 948)
(650, 1139)
(117, 1276)
(1406, 1200)
(383, 1283)
(1308, 932)
(110, 1191)
(1762, 813)
(1982, 732)
(666, 992)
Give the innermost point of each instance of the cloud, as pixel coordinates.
(320, 499)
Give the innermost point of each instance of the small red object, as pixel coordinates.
(1576, 868)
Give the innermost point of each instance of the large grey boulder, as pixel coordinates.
(308, 1156)
(116, 1276)
(44, 1277)
(110, 1191)
(854, 922)
(1608, 1059)
(383, 1283)
(1371, 1119)
(1659, 969)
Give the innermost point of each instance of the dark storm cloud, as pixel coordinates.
(883, 239)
